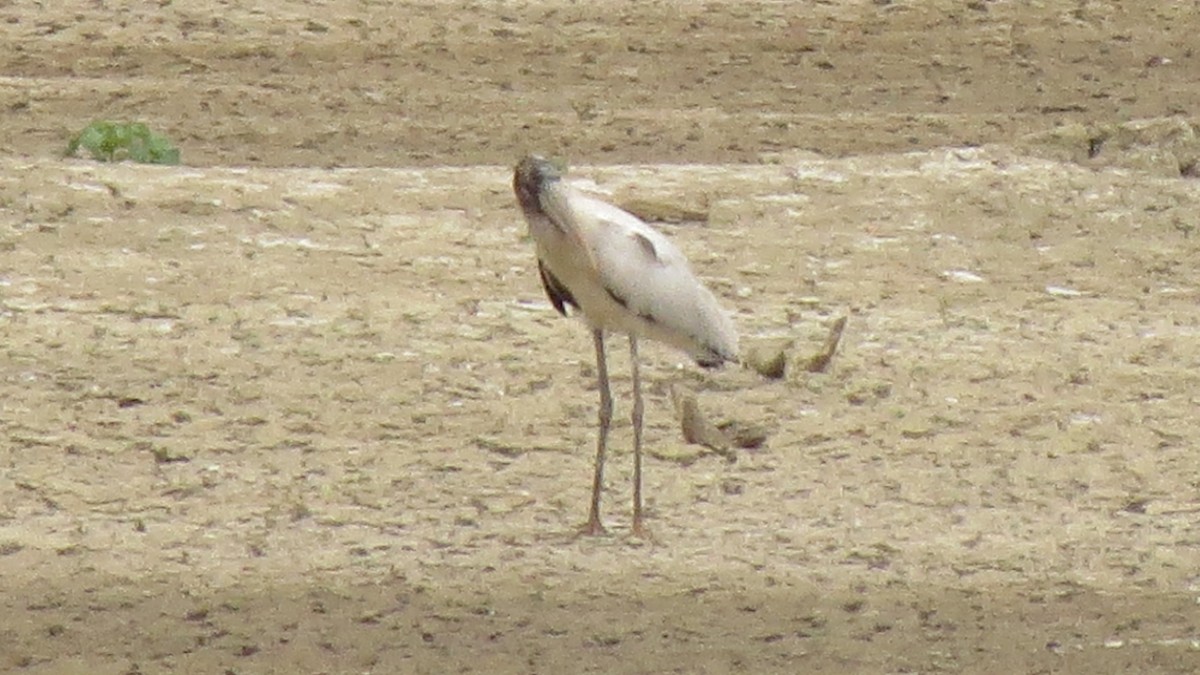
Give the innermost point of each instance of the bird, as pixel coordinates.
(622, 276)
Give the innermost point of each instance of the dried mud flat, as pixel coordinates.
(300, 406)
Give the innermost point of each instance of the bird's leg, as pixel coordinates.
(594, 526)
(639, 529)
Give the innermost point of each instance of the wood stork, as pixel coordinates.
(624, 277)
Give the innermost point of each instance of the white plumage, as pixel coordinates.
(625, 277)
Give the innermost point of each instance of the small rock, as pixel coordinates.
(165, 455)
(683, 455)
(962, 276)
(745, 435)
(821, 360)
(696, 427)
(767, 360)
(665, 212)
(1063, 292)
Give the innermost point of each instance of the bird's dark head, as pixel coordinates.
(531, 177)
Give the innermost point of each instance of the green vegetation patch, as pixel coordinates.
(116, 141)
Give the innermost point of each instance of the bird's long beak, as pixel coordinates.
(555, 200)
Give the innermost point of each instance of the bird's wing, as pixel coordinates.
(635, 262)
(643, 270)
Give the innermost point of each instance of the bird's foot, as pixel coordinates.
(592, 528)
(641, 531)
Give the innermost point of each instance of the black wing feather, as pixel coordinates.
(559, 295)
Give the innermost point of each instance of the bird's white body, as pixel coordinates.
(627, 277)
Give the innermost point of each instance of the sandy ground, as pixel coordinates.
(300, 406)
